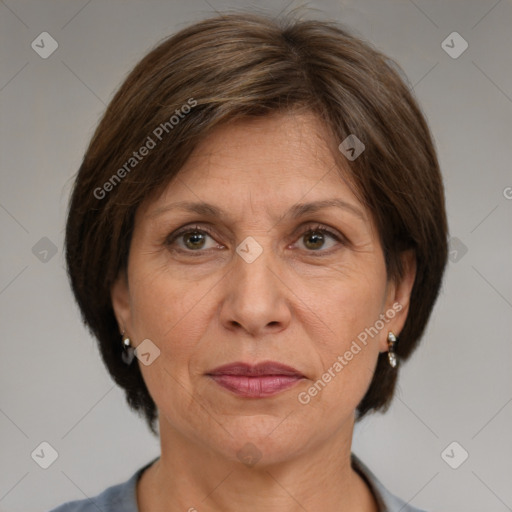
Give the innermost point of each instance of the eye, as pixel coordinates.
(314, 238)
(193, 239)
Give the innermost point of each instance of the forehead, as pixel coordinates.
(269, 163)
(279, 145)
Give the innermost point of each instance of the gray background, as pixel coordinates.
(54, 388)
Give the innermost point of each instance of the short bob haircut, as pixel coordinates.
(236, 66)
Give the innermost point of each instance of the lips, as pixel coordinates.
(265, 368)
(256, 381)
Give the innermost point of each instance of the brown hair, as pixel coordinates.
(235, 66)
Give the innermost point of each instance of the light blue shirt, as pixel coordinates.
(123, 497)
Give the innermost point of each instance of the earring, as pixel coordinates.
(128, 351)
(392, 358)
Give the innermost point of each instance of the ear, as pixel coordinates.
(120, 297)
(398, 297)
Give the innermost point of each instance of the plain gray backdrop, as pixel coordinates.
(457, 388)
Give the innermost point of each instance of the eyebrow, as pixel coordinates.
(296, 211)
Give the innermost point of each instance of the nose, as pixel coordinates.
(256, 297)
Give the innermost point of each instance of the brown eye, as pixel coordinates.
(194, 239)
(314, 240)
(190, 239)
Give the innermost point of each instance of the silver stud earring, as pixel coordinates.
(128, 351)
(392, 358)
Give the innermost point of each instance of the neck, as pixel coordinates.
(188, 477)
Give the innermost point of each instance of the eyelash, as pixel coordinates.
(318, 228)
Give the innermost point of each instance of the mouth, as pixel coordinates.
(262, 380)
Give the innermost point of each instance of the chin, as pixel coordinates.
(262, 440)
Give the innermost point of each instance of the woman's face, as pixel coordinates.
(259, 281)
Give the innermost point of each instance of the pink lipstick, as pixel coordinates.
(256, 381)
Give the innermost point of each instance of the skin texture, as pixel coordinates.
(301, 302)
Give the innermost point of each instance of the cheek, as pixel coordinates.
(163, 304)
(173, 312)
(348, 360)
(355, 302)
(167, 312)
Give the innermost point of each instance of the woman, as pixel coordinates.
(257, 237)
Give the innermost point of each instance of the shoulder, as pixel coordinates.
(386, 500)
(117, 498)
